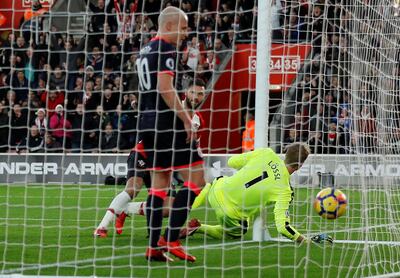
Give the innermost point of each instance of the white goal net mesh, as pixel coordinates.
(69, 105)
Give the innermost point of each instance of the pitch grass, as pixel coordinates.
(47, 230)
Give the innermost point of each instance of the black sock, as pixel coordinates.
(154, 208)
(179, 213)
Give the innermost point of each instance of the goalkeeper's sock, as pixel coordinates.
(116, 207)
(154, 208)
(180, 210)
(214, 231)
(136, 208)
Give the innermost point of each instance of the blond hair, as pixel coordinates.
(296, 154)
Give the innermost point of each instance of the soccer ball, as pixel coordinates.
(330, 203)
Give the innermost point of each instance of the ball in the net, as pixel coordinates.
(330, 203)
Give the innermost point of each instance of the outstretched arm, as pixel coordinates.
(283, 226)
(282, 221)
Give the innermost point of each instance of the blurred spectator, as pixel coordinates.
(291, 137)
(119, 119)
(229, 39)
(60, 127)
(99, 18)
(4, 128)
(89, 73)
(51, 144)
(316, 143)
(19, 50)
(76, 95)
(98, 83)
(114, 58)
(19, 125)
(90, 99)
(31, 66)
(128, 127)
(110, 100)
(33, 101)
(76, 119)
(330, 107)
(10, 99)
(249, 132)
(51, 100)
(294, 28)
(332, 139)
(130, 74)
(276, 12)
(344, 119)
(192, 54)
(367, 130)
(95, 59)
(21, 87)
(7, 48)
(57, 79)
(208, 37)
(40, 121)
(34, 143)
(109, 140)
(220, 49)
(318, 121)
(212, 62)
(93, 123)
(206, 19)
(316, 24)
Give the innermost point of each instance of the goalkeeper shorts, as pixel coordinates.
(227, 217)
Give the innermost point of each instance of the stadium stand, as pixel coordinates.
(93, 76)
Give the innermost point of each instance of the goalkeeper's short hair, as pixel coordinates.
(296, 154)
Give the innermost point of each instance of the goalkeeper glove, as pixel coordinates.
(322, 238)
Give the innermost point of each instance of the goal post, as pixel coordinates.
(260, 233)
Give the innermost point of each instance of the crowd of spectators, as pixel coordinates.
(60, 92)
(323, 112)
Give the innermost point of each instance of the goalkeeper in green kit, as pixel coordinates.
(262, 178)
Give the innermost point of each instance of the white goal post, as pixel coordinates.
(260, 233)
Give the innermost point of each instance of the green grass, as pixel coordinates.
(47, 230)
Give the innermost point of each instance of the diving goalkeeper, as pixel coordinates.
(262, 178)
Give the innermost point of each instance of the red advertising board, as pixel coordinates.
(13, 10)
(285, 62)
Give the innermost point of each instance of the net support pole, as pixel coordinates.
(260, 233)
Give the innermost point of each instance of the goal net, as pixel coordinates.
(69, 106)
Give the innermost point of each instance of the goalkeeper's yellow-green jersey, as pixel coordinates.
(262, 178)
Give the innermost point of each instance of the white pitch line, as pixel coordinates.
(365, 228)
(350, 241)
(92, 261)
(388, 275)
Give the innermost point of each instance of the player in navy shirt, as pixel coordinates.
(168, 135)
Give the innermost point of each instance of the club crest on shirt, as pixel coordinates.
(170, 63)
